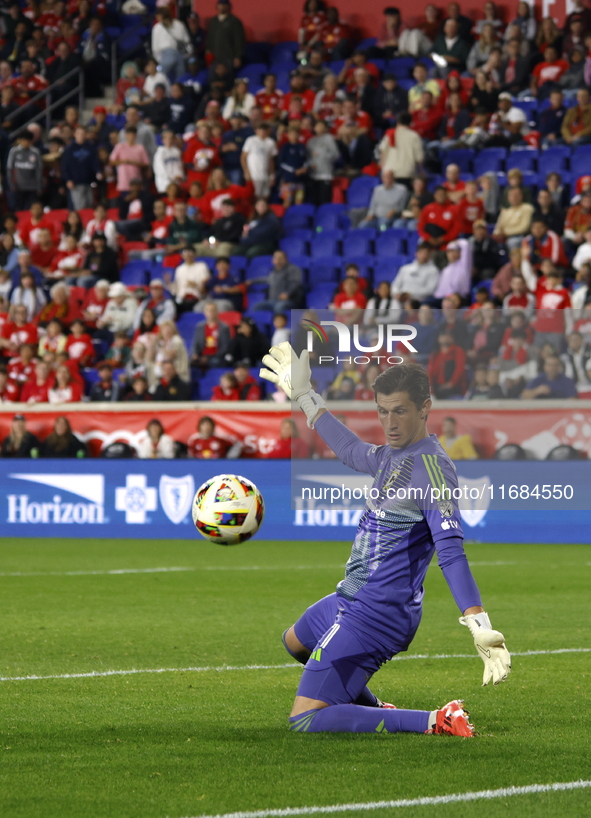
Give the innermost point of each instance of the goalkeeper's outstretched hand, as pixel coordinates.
(490, 644)
(290, 373)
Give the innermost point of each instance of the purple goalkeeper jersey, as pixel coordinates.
(408, 516)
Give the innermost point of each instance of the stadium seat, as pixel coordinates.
(298, 216)
(186, 324)
(328, 216)
(412, 242)
(336, 66)
(554, 159)
(325, 244)
(283, 79)
(254, 74)
(231, 317)
(523, 160)
(462, 157)
(365, 263)
(260, 266)
(320, 297)
(529, 107)
(238, 265)
(301, 233)
(358, 242)
(401, 67)
(406, 85)
(324, 270)
(284, 52)
(530, 178)
(369, 42)
(136, 273)
(581, 160)
(386, 269)
(360, 190)
(294, 246)
(257, 53)
(387, 244)
(489, 159)
(207, 380)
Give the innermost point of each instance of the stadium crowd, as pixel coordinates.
(438, 175)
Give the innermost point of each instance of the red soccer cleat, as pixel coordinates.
(387, 705)
(452, 720)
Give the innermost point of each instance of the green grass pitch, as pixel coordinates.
(206, 742)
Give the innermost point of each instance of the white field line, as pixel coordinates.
(426, 801)
(94, 674)
(167, 570)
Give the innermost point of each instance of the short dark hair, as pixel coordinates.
(411, 378)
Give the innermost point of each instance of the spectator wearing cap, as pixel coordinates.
(509, 124)
(225, 36)
(232, 145)
(262, 233)
(285, 285)
(258, 160)
(145, 134)
(190, 281)
(390, 101)
(19, 442)
(170, 42)
(240, 100)
(182, 107)
(130, 159)
(157, 110)
(101, 261)
(168, 163)
(105, 389)
(248, 345)
(159, 301)
(225, 233)
(119, 313)
(211, 339)
(80, 167)
(24, 172)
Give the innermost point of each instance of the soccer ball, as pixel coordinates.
(228, 509)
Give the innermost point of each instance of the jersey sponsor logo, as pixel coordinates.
(176, 496)
(447, 524)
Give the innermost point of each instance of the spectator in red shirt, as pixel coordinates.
(44, 252)
(350, 302)
(334, 36)
(553, 316)
(58, 307)
(426, 120)
(289, 444)
(211, 339)
(470, 208)
(33, 224)
(227, 389)
(37, 387)
(270, 99)
(65, 389)
(297, 88)
(447, 368)
(201, 156)
(95, 302)
(22, 366)
(9, 391)
(205, 444)
(18, 331)
(352, 114)
(312, 21)
(438, 223)
(544, 244)
(455, 186)
(28, 84)
(546, 75)
(358, 60)
(79, 344)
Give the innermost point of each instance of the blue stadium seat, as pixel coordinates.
(580, 161)
(254, 74)
(186, 324)
(262, 318)
(320, 297)
(323, 376)
(336, 66)
(208, 380)
(412, 242)
(401, 67)
(387, 244)
(529, 107)
(300, 261)
(324, 270)
(259, 266)
(325, 244)
(360, 190)
(300, 233)
(283, 79)
(406, 85)
(530, 178)
(298, 216)
(328, 216)
(136, 273)
(238, 265)
(282, 68)
(489, 159)
(486, 283)
(294, 246)
(554, 159)
(257, 52)
(365, 263)
(284, 52)
(523, 160)
(369, 42)
(90, 376)
(386, 269)
(358, 242)
(462, 157)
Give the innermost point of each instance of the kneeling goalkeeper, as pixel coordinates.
(345, 638)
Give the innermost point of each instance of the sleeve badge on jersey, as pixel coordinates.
(446, 508)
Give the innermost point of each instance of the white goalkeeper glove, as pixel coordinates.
(490, 645)
(292, 374)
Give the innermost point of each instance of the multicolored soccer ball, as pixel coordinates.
(228, 509)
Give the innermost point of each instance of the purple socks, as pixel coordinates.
(351, 718)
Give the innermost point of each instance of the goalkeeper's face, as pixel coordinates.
(402, 421)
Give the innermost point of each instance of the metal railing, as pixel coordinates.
(50, 105)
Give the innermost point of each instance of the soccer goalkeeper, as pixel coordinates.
(344, 638)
